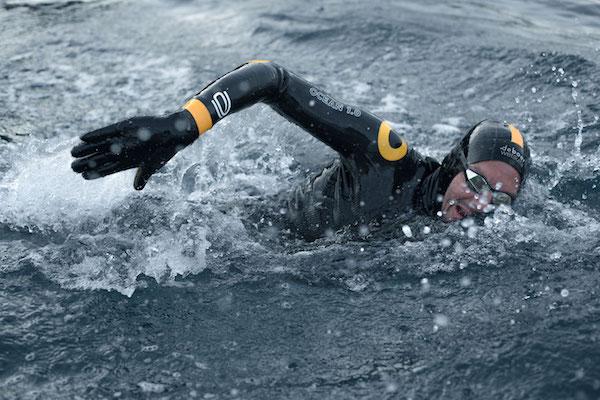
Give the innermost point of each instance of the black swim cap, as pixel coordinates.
(492, 140)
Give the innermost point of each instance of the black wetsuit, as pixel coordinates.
(376, 174)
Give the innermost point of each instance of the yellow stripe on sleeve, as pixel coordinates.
(200, 114)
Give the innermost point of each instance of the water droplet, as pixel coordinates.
(440, 320)
(407, 231)
(533, 89)
(467, 222)
(458, 248)
(144, 134)
(426, 230)
(181, 124)
(150, 387)
(116, 148)
(391, 388)
(564, 293)
(556, 255)
(472, 232)
(363, 230)
(244, 86)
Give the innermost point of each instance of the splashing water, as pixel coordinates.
(180, 290)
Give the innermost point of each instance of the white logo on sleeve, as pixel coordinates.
(222, 103)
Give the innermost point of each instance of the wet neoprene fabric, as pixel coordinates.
(376, 174)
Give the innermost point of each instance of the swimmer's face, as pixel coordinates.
(460, 201)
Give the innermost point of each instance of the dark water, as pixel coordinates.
(171, 293)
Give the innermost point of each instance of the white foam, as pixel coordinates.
(445, 129)
(44, 191)
(391, 103)
(105, 245)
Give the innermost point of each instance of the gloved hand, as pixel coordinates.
(143, 142)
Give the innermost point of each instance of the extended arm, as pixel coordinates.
(147, 143)
(345, 128)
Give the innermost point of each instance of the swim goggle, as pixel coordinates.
(480, 185)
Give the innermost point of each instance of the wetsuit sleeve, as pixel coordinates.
(347, 129)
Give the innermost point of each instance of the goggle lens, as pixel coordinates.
(501, 198)
(480, 185)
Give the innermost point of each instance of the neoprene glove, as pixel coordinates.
(146, 143)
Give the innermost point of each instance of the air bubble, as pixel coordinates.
(150, 348)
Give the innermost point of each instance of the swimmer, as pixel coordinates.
(376, 174)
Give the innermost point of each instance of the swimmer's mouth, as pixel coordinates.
(461, 210)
